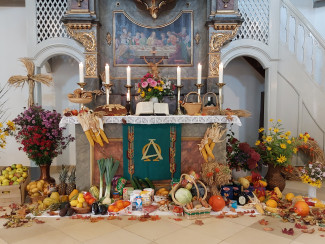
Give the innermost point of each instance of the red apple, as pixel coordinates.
(74, 112)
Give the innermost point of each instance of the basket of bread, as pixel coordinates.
(80, 96)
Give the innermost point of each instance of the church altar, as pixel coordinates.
(192, 130)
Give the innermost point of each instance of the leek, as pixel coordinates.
(110, 170)
(101, 167)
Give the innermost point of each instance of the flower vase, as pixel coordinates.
(154, 100)
(239, 173)
(275, 178)
(45, 173)
(312, 190)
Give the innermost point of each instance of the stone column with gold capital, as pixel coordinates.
(223, 23)
(82, 25)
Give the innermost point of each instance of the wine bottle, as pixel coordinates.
(210, 102)
(242, 197)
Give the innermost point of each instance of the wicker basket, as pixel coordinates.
(211, 110)
(82, 210)
(36, 199)
(80, 100)
(192, 213)
(192, 108)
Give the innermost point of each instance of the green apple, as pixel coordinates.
(21, 179)
(4, 172)
(11, 176)
(6, 176)
(11, 172)
(18, 166)
(25, 168)
(2, 177)
(14, 178)
(25, 175)
(18, 175)
(13, 166)
(8, 169)
(19, 170)
(6, 183)
(16, 183)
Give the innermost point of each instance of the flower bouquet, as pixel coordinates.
(150, 87)
(313, 174)
(41, 137)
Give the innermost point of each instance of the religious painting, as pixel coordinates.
(133, 42)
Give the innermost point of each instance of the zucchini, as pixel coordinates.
(136, 180)
(149, 182)
(134, 185)
(144, 183)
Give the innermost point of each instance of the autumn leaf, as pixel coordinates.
(268, 229)
(198, 222)
(263, 222)
(310, 231)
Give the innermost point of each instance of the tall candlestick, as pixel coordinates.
(107, 74)
(128, 75)
(81, 73)
(178, 76)
(221, 73)
(199, 73)
(128, 96)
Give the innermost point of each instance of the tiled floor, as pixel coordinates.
(224, 231)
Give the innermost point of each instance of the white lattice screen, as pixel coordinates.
(256, 20)
(48, 19)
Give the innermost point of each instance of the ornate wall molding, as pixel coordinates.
(214, 64)
(91, 65)
(87, 38)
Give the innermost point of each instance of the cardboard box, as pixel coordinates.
(14, 193)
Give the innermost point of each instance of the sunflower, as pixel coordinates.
(281, 159)
(268, 139)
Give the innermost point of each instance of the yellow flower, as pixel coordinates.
(283, 146)
(289, 141)
(271, 120)
(281, 136)
(143, 94)
(301, 135)
(279, 120)
(287, 138)
(268, 139)
(308, 136)
(139, 90)
(295, 150)
(288, 133)
(261, 130)
(160, 88)
(1, 124)
(263, 137)
(269, 149)
(270, 129)
(161, 82)
(305, 139)
(258, 142)
(281, 159)
(149, 90)
(276, 130)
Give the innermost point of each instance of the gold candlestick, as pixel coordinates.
(107, 89)
(128, 99)
(199, 90)
(220, 86)
(178, 111)
(82, 85)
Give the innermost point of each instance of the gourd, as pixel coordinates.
(217, 203)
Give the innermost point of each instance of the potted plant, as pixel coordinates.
(241, 157)
(41, 137)
(276, 148)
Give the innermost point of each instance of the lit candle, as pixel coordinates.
(81, 73)
(128, 96)
(128, 76)
(178, 76)
(199, 73)
(107, 74)
(221, 73)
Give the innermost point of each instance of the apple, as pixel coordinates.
(18, 166)
(18, 175)
(74, 112)
(14, 178)
(6, 183)
(11, 182)
(19, 170)
(6, 176)
(2, 177)
(19, 180)
(25, 175)
(16, 183)
(22, 178)
(8, 169)
(4, 172)
(13, 166)
(11, 176)
(25, 168)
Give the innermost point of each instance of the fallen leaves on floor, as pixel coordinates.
(308, 231)
(300, 226)
(321, 228)
(289, 232)
(37, 221)
(268, 229)
(198, 222)
(263, 222)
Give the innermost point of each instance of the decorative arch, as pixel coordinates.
(262, 53)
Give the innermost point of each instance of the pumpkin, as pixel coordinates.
(301, 208)
(217, 203)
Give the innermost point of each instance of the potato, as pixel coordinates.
(40, 186)
(36, 194)
(34, 190)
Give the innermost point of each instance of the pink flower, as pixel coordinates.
(149, 80)
(138, 85)
(144, 84)
(153, 83)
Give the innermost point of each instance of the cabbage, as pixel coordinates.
(183, 196)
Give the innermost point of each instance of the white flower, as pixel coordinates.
(310, 166)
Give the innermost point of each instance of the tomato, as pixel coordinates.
(91, 201)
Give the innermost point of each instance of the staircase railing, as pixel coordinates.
(303, 40)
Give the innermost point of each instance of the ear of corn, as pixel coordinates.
(204, 154)
(102, 133)
(209, 152)
(89, 137)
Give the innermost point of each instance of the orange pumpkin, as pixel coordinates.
(301, 208)
(217, 203)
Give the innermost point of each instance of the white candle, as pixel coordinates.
(128, 96)
(199, 73)
(128, 76)
(81, 73)
(178, 76)
(221, 73)
(107, 74)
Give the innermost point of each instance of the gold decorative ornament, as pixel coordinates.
(154, 6)
(91, 65)
(80, 26)
(87, 39)
(79, 2)
(214, 64)
(197, 38)
(109, 38)
(225, 3)
(31, 78)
